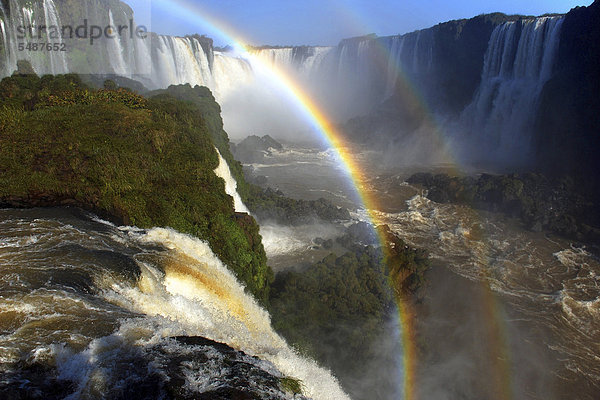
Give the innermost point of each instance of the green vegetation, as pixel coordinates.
(347, 300)
(265, 204)
(146, 162)
(291, 385)
(558, 205)
(202, 99)
(270, 205)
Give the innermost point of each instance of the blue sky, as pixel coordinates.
(326, 22)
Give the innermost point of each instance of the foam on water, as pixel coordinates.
(545, 279)
(224, 172)
(197, 295)
(103, 305)
(279, 240)
(572, 257)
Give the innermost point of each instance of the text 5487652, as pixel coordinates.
(42, 46)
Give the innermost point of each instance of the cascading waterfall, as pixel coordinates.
(396, 46)
(4, 50)
(518, 62)
(27, 14)
(9, 49)
(103, 306)
(181, 60)
(359, 73)
(199, 292)
(276, 239)
(348, 79)
(280, 56)
(224, 173)
(58, 62)
(144, 70)
(116, 51)
(157, 61)
(410, 54)
(303, 59)
(229, 73)
(314, 60)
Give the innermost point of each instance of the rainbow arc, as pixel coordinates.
(315, 115)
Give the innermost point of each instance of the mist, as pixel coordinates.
(396, 127)
(405, 97)
(281, 241)
(263, 106)
(257, 108)
(471, 353)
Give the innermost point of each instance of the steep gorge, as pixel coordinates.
(492, 83)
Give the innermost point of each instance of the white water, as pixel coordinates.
(116, 51)
(229, 73)
(5, 42)
(306, 61)
(335, 75)
(42, 13)
(100, 302)
(347, 80)
(197, 295)
(518, 63)
(224, 173)
(281, 240)
(544, 278)
(58, 62)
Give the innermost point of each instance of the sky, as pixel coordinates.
(326, 22)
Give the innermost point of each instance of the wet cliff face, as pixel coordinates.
(458, 52)
(442, 70)
(568, 122)
(387, 87)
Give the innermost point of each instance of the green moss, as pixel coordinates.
(202, 98)
(270, 205)
(144, 162)
(347, 300)
(291, 385)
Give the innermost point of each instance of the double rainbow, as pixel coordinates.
(314, 114)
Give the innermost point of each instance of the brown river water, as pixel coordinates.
(507, 313)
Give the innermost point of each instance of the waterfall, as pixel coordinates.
(58, 62)
(279, 57)
(187, 62)
(33, 14)
(396, 46)
(142, 55)
(181, 60)
(314, 60)
(195, 291)
(351, 79)
(115, 51)
(92, 301)
(518, 62)
(224, 173)
(4, 43)
(230, 73)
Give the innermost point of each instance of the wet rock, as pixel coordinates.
(557, 204)
(180, 368)
(536, 227)
(255, 149)
(363, 233)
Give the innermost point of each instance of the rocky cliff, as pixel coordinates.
(567, 132)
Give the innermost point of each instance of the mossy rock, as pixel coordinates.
(145, 162)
